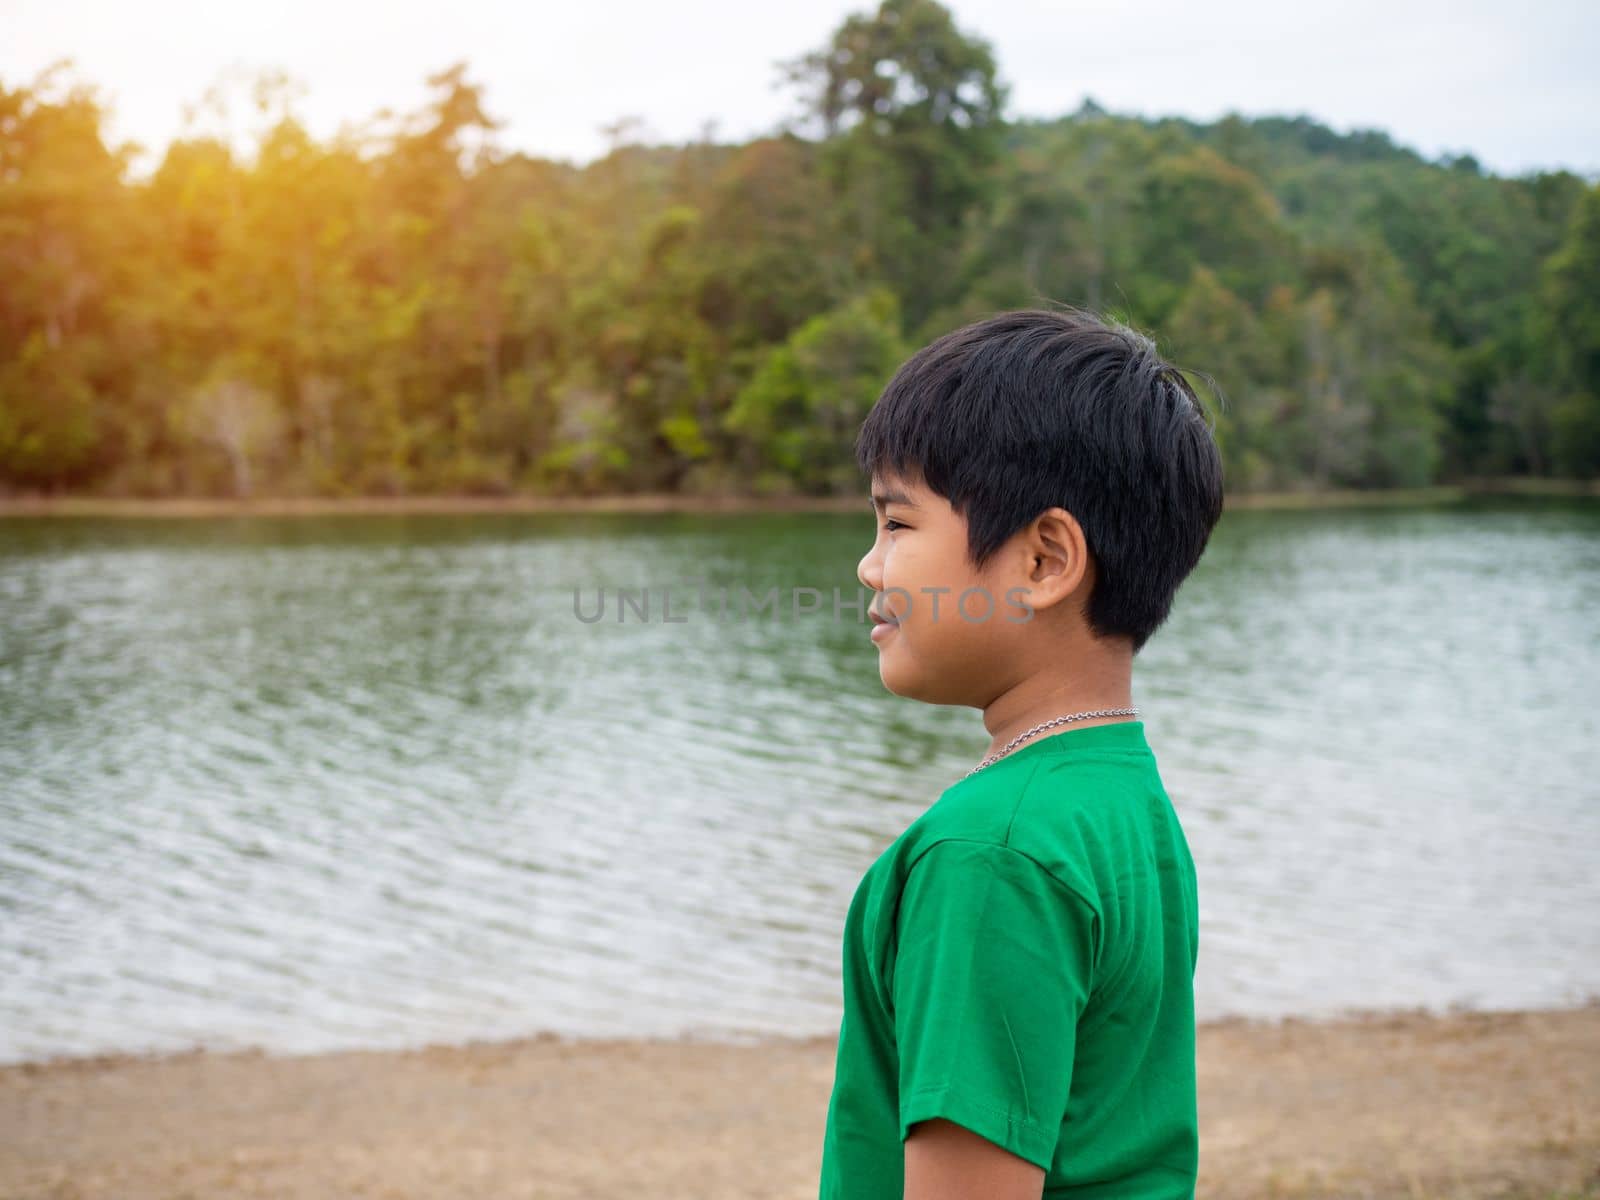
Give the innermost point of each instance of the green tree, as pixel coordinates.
(65, 240)
(911, 110)
(1195, 208)
(800, 412)
(1569, 328)
(406, 308)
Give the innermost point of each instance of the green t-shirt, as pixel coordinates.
(1021, 961)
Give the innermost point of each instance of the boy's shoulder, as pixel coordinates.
(1055, 811)
(1036, 810)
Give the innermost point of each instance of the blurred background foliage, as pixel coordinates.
(408, 308)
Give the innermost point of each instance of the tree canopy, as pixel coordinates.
(410, 308)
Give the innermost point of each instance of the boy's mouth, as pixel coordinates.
(882, 626)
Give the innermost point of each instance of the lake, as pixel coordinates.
(324, 782)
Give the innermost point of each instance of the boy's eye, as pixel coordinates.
(891, 524)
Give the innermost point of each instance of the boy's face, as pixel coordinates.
(919, 569)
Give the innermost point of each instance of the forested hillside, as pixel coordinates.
(410, 308)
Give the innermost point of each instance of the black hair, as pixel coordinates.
(1026, 410)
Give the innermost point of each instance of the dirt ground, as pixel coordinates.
(1404, 1105)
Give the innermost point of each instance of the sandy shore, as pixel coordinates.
(1404, 1105)
(311, 506)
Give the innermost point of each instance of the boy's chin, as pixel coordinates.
(896, 679)
(910, 684)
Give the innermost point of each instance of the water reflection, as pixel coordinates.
(317, 782)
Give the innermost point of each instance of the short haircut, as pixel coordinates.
(1026, 410)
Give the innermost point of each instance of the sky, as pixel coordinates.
(1512, 84)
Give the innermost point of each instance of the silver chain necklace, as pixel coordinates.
(1022, 737)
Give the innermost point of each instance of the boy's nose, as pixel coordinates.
(870, 571)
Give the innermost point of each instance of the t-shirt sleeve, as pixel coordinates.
(993, 967)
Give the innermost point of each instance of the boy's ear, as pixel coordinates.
(1057, 557)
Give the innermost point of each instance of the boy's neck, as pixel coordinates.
(1099, 678)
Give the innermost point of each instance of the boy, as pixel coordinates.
(1019, 963)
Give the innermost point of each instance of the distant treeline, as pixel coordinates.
(409, 309)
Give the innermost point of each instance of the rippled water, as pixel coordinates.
(318, 782)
